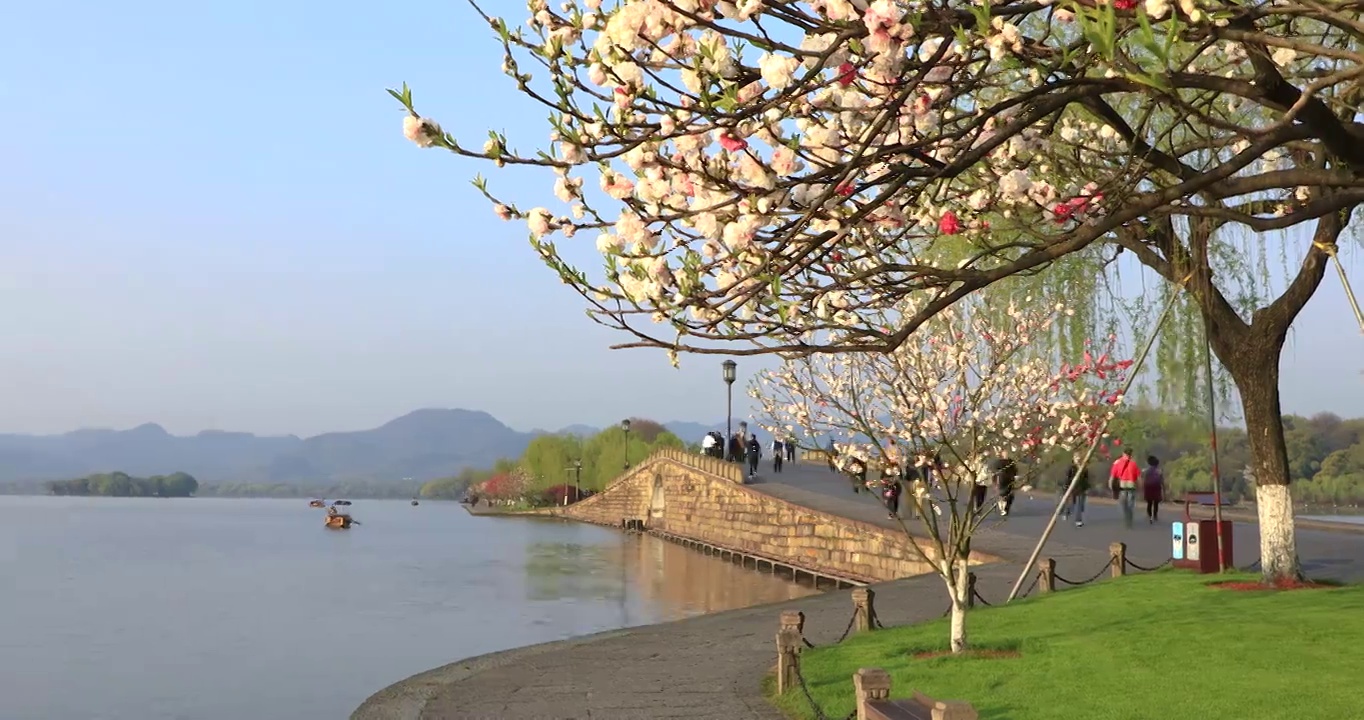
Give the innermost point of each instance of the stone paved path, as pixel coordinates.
(711, 667)
(1326, 554)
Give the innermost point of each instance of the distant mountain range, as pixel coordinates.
(423, 445)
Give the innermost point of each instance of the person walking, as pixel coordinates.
(755, 453)
(890, 491)
(708, 444)
(981, 486)
(831, 454)
(1153, 489)
(790, 448)
(1005, 476)
(1079, 494)
(1125, 476)
(857, 474)
(778, 454)
(736, 448)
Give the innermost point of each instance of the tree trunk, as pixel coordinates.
(957, 589)
(1256, 374)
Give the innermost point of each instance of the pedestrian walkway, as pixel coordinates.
(1325, 554)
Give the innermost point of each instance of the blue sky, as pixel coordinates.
(209, 219)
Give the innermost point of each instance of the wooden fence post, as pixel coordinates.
(788, 645)
(870, 684)
(793, 620)
(1046, 582)
(864, 600)
(1117, 553)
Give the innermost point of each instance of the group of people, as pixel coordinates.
(1126, 480)
(748, 451)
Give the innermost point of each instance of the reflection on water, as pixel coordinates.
(675, 581)
(572, 571)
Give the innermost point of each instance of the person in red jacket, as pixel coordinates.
(1126, 476)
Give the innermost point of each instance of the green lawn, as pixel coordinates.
(1158, 645)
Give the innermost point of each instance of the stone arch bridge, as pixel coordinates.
(703, 500)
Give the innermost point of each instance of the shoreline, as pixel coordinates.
(708, 666)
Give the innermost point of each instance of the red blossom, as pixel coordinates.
(845, 189)
(731, 143)
(847, 73)
(948, 224)
(1124, 4)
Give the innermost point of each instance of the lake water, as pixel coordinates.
(218, 609)
(1350, 519)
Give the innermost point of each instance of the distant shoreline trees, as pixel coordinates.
(120, 484)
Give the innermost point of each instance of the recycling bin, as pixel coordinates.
(1201, 543)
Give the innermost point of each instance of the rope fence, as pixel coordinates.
(791, 638)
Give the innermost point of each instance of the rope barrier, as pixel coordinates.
(1096, 576)
(809, 698)
(979, 598)
(1139, 568)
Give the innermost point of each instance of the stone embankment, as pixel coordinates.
(705, 499)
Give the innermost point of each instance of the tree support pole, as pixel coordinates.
(1089, 452)
(1212, 430)
(1345, 283)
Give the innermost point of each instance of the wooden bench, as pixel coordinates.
(872, 686)
(1206, 498)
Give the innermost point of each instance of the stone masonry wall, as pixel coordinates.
(704, 499)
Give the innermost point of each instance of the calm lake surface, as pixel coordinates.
(224, 609)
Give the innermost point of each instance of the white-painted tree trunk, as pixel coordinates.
(1278, 541)
(957, 590)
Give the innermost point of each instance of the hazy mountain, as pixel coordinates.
(424, 444)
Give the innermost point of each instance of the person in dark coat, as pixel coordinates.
(1077, 496)
(1153, 489)
(890, 491)
(790, 449)
(755, 453)
(1005, 476)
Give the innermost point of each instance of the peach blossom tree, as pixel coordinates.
(756, 174)
(971, 386)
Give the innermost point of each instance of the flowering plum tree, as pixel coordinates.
(505, 486)
(971, 386)
(765, 171)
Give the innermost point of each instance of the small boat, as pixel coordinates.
(317, 503)
(415, 503)
(341, 502)
(338, 520)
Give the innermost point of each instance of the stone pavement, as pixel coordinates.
(1325, 553)
(711, 667)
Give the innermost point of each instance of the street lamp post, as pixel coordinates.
(625, 425)
(577, 468)
(728, 369)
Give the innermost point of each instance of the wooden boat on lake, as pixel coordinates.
(317, 503)
(337, 520)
